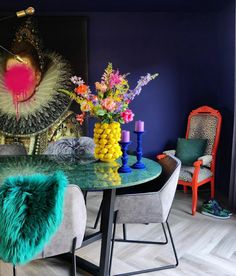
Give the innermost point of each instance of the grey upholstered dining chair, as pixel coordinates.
(149, 203)
(12, 149)
(70, 234)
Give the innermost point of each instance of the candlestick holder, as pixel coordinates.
(139, 151)
(124, 168)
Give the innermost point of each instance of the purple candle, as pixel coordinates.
(139, 126)
(125, 136)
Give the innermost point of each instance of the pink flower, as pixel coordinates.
(115, 78)
(127, 115)
(109, 104)
(80, 118)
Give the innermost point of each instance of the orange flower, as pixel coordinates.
(81, 89)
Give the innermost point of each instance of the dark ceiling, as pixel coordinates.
(73, 6)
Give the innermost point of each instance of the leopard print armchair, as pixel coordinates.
(203, 123)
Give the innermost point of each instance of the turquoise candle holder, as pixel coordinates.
(125, 168)
(139, 151)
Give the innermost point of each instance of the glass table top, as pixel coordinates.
(86, 172)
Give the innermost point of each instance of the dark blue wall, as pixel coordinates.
(193, 56)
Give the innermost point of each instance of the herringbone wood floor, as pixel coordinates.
(205, 246)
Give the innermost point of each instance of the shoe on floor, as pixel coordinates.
(212, 210)
(221, 208)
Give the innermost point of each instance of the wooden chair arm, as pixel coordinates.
(197, 163)
(160, 156)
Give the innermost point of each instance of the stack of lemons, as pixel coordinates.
(106, 138)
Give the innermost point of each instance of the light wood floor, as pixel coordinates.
(205, 246)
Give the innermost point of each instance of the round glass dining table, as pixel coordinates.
(90, 175)
(86, 172)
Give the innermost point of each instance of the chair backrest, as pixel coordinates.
(72, 146)
(13, 149)
(205, 123)
(153, 204)
(73, 224)
(170, 175)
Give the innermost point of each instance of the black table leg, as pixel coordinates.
(105, 234)
(106, 229)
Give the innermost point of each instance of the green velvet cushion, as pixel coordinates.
(188, 150)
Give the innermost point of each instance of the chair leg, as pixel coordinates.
(194, 199)
(73, 268)
(213, 187)
(113, 241)
(143, 242)
(14, 270)
(98, 216)
(124, 232)
(185, 189)
(173, 245)
(150, 269)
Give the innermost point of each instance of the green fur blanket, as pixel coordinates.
(31, 209)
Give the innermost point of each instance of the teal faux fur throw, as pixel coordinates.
(31, 209)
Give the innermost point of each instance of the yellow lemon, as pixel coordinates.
(104, 150)
(97, 150)
(96, 155)
(101, 156)
(110, 136)
(108, 156)
(111, 150)
(102, 141)
(107, 131)
(104, 126)
(112, 141)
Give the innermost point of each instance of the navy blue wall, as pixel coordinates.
(193, 56)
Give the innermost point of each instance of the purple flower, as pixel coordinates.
(144, 80)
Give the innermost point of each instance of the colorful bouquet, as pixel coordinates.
(111, 102)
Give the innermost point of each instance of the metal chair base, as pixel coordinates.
(73, 267)
(145, 242)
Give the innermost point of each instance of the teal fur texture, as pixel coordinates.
(31, 210)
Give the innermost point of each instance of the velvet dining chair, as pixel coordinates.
(146, 204)
(46, 225)
(12, 149)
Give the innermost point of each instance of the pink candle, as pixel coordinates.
(139, 126)
(125, 136)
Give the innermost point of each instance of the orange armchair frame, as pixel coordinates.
(204, 110)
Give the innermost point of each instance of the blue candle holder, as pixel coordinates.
(124, 168)
(139, 152)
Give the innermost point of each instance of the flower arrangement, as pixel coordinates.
(111, 102)
(110, 105)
